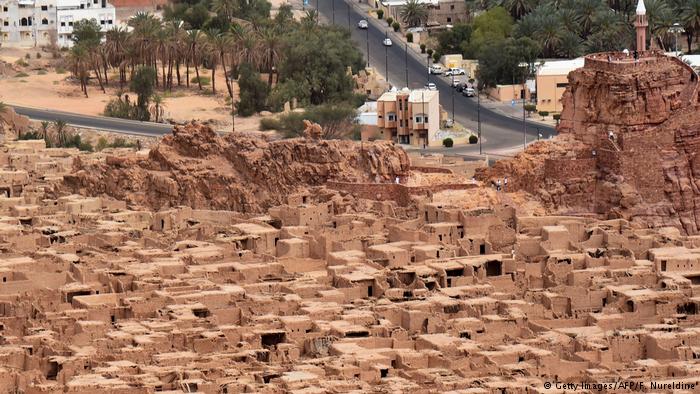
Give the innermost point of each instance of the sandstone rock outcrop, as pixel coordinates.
(627, 147)
(198, 168)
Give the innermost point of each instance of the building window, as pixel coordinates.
(425, 119)
(449, 20)
(562, 85)
(391, 117)
(109, 21)
(102, 22)
(44, 21)
(452, 7)
(419, 119)
(24, 22)
(70, 23)
(44, 8)
(4, 9)
(63, 23)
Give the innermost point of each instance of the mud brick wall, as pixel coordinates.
(565, 169)
(401, 194)
(431, 170)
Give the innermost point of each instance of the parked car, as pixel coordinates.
(469, 92)
(362, 24)
(387, 42)
(430, 86)
(455, 71)
(435, 69)
(455, 84)
(461, 86)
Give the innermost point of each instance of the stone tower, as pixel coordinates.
(641, 24)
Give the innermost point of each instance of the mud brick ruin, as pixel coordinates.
(240, 265)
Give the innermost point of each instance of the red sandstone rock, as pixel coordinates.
(647, 173)
(196, 167)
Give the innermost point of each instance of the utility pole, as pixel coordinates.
(524, 126)
(478, 116)
(348, 5)
(318, 13)
(333, 7)
(406, 61)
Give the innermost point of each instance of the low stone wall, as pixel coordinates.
(431, 170)
(401, 194)
(563, 169)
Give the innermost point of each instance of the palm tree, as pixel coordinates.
(585, 13)
(225, 8)
(220, 42)
(195, 40)
(660, 19)
(60, 127)
(414, 13)
(270, 41)
(690, 15)
(45, 132)
(157, 105)
(80, 65)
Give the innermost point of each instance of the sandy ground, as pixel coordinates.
(46, 89)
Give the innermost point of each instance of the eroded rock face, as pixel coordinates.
(197, 168)
(645, 173)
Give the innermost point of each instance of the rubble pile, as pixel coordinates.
(627, 147)
(197, 168)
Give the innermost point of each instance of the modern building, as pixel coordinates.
(552, 81)
(70, 11)
(27, 22)
(409, 117)
(39, 22)
(441, 12)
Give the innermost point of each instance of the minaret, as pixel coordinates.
(641, 24)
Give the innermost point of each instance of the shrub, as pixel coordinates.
(269, 124)
(429, 52)
(38, 55)
(60, 70)
(27, 56)
(21, 63)
(203, 79)
(436, 57)
(336, 120)
(380, 14)
(447, 142)
(529, 108)
(422, 48)
(30, 135)
(544, 114)
(557, 117)
(389, 21)
(409, 37)
(41, 72)
(473, 139)
(21, 75)
(396, 26)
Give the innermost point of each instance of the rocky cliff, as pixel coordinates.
(627, 145)
(196, 167)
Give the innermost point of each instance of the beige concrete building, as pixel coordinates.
(441, 12)
(552, 80)
(409, 117)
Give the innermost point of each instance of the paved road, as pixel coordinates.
(501, 133)
(131, 127)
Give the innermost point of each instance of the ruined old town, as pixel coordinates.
(343, 196)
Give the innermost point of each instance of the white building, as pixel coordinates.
(38, 22)
(70, 11)
(27, 22)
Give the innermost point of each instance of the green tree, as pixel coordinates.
(450, 40)
(490, 27)
(143, 84)
(253, 91)
(315, 63)
(414, 13)
(87, 32)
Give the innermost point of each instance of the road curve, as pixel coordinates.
(501, 132)
(115, 125)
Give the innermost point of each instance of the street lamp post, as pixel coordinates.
(478, 117)
(348, 9)
(333, 10)
(524, 126)
(676, 29)
(386, 56)
(367, 31)
(453, 98)
(406, 61)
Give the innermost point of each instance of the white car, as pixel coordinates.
(387, 42)
(435, 69)
(430, 86)
(468, 92)
(362, 24)
(455, 71)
